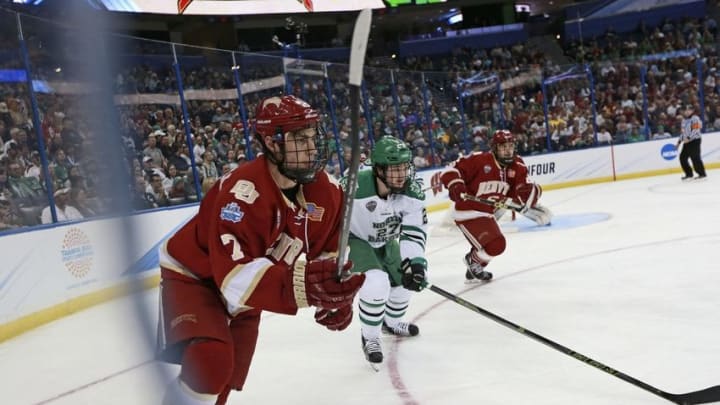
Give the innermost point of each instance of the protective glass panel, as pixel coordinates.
(22, 189)
(569, 109)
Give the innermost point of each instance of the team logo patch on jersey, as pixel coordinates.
(511, 173)
(232, 213)
(371, 205)
(487, 169)
(315, 213)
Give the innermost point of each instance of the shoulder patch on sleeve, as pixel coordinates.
(232, 213)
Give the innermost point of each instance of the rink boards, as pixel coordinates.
(52, 271)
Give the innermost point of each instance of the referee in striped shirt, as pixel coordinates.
(690, 138)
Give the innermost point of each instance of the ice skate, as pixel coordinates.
(373, 352)
(686, 178)
(404, 329)
(475, 272)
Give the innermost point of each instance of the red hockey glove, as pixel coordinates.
(314, 283)
(456, 191)
(436, 183)
(338, 319)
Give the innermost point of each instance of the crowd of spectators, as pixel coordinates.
(413, 98)
(671, 79)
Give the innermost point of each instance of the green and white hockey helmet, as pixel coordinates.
(390, 151)
(392, 163)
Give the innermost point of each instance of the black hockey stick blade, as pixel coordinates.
(703, 396)
(357, 61)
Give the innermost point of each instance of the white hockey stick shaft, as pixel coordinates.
(360, 37)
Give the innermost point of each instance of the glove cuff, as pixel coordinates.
(298, 281)
(419, 260)
(450, 176)
(454, 182)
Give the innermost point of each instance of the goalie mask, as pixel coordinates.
(295, 128)
(502, 145)
(392, 163)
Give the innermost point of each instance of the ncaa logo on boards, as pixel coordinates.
(77, 252)
(668, 151)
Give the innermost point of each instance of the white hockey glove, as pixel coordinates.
(539, 214)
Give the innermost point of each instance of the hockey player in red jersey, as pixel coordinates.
(242, 254)
(494, 175)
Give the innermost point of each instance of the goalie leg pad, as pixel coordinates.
(539, 214)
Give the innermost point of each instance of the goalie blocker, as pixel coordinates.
(481, 185)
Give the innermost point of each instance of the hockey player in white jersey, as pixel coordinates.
(387, 243)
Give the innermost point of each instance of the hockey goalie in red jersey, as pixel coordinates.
(242, 254)
(495, 175)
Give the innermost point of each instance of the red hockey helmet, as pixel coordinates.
(285, 119)
(502, 137)
(279, 115)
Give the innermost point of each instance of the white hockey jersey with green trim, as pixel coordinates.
(378, 220)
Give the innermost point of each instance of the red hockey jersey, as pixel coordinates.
(484, 177)
(247, 235)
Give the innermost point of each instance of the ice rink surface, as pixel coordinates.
(627, 274)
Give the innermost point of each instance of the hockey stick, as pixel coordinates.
(357, 60)
(499, 204)
(703, 396)
(436, 186)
